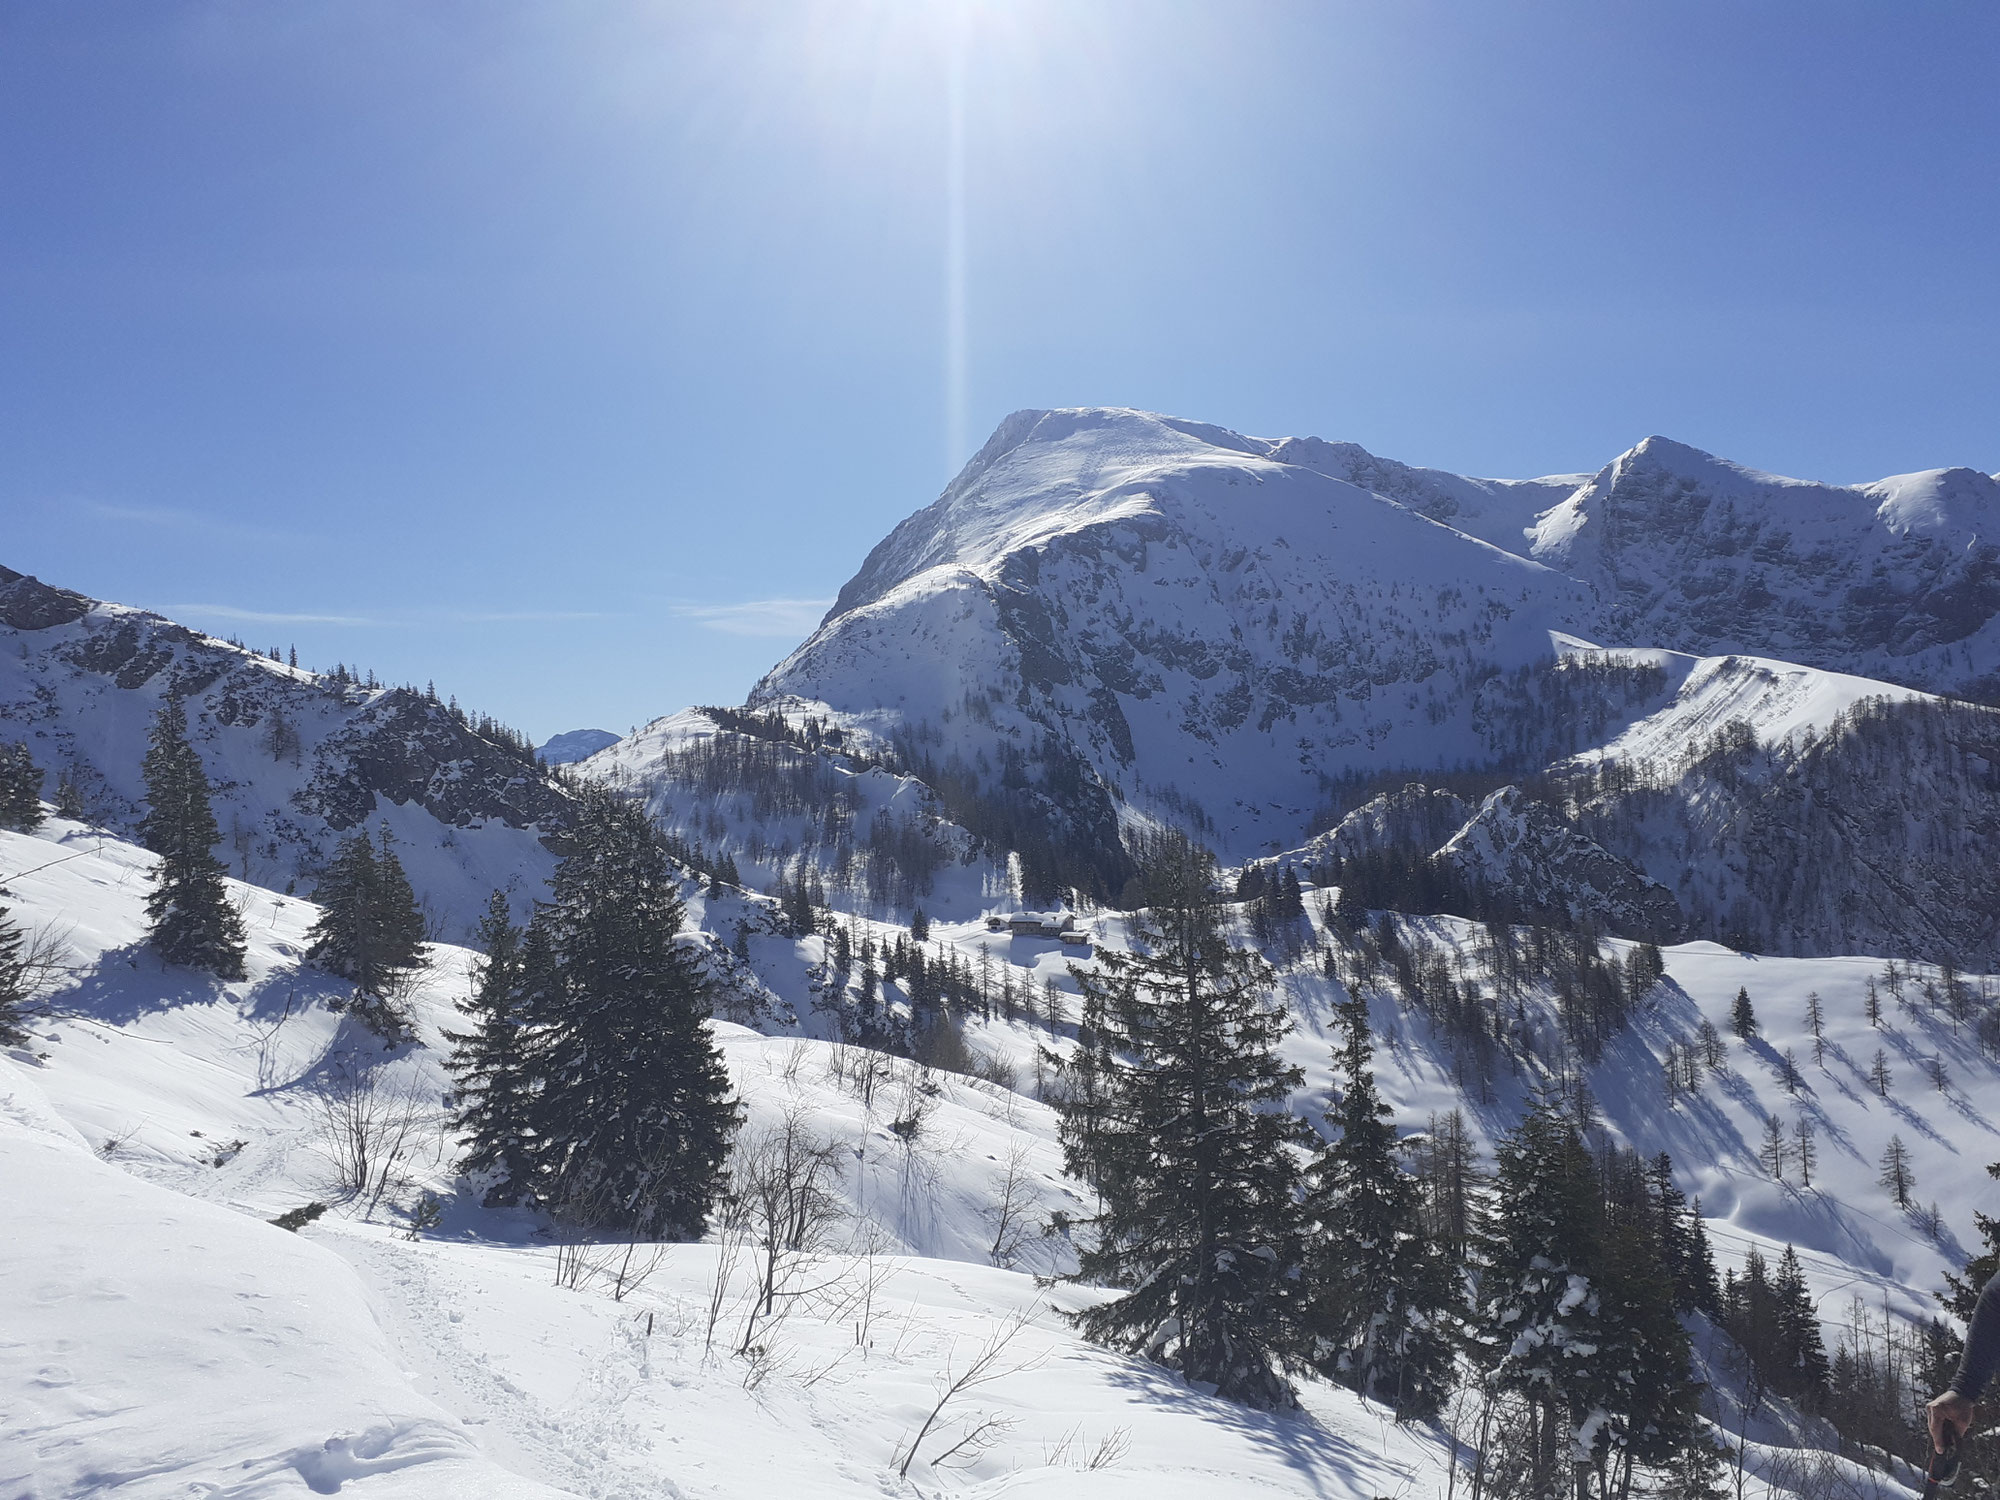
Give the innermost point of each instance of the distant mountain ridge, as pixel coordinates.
(296, 758)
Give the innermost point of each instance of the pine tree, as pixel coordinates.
(494, 1109)
(1801, 1368)
(920, 926)
(20, 789)
(1897, 1175)
(1452, 1183)
(633, 1117)
(69, 797)
(1964, 1288)
(1872, 1003)
(1707, 1289)
(1713, 1053)
(1540, 1316)
(191, 919)
(1378, 1288)
(1645, 1372)
(1816, 1020)
(13, 983)
(370, 929)
(1182, 1130)
(1742, 1017)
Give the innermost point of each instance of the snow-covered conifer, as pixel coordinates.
(1378, 1290)
(191, 919)
(495, 1096)
(20, 789)
(370, 929)
(633, 1115)
(1743, 1016)
(1540, 1312)
(1181, 1132)
(13, 982)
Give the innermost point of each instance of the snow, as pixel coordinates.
(574, 745)
(171, 1342)
(175, 1339)
(1780, 701)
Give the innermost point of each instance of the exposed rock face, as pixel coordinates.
(1170, 618)
(405, 748)
(294, 759)
(1898, 580)
(29, 604)
(1526, 864)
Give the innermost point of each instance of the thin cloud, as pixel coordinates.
(765, 617)
(167, 518)
(528, 616)
(264, 616)
(427, 617)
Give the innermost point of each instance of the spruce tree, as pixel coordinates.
(1541, 1318)
(191, 919)
(370, 929)
(20, 789)
(1800, 1366)
(633, 1117)
(1184, 1134)
(491, 1064)
(13, 983)
(1743, 1016)
(1379, 1290)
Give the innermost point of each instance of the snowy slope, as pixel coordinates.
(1185, 612)
(295, 759)
(878, 841)
(156, 1122)
(1899, 579)
(176, 1344)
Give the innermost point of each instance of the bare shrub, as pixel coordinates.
(785, 1178)
(1011, 1214)
(978, 1430)
(372, 1132)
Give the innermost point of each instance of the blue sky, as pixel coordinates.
(571, 355)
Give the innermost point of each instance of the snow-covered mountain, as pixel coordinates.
(1133, 616)
(295, 758)
(1113, 620)
(573, 745)
(1898, 580)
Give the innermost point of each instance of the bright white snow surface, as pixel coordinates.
(162, 1339)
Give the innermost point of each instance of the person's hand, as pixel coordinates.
(1950, 1415)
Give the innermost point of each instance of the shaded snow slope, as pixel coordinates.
(574, 745)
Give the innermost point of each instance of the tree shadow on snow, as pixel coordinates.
(130, 982)
(1918, 1123)
(1329, 1463)
(284, 993)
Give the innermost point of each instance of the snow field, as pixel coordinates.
(177, 1344)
